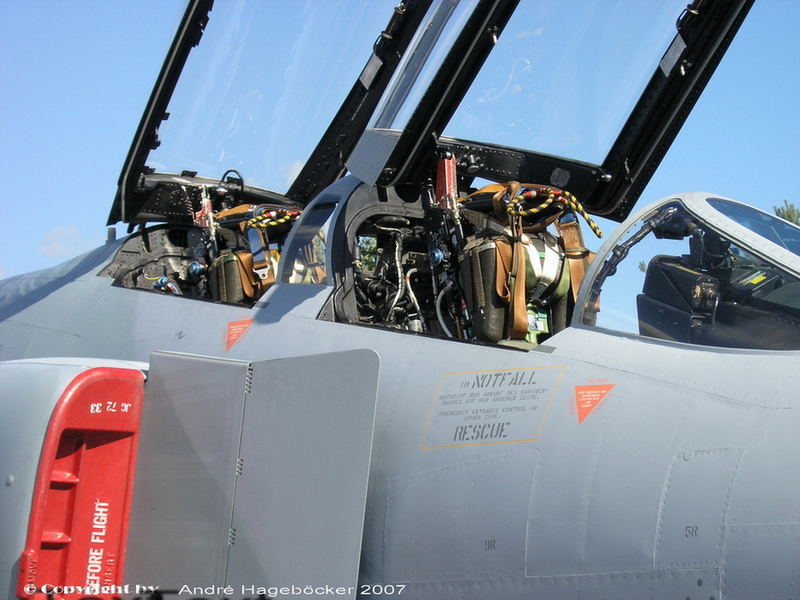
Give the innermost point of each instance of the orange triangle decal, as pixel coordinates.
(587, 397)
(236, 329)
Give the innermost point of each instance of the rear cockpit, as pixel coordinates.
(217, 240)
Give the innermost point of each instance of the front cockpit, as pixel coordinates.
(708, 271)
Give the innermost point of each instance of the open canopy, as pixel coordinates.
(583, 95)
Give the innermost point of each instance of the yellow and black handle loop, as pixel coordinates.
(272, 218)
(515, 206)
(513, 197)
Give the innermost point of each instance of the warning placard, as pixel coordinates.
(490, 407)
(588, 397)
(235, 331)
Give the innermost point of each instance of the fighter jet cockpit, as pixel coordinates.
(702, 270)
(410, 223)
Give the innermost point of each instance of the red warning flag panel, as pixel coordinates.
(78, 524)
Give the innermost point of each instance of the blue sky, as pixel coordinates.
(76, 75)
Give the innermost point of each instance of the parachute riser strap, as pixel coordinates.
(578, 256)
(510, 285)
